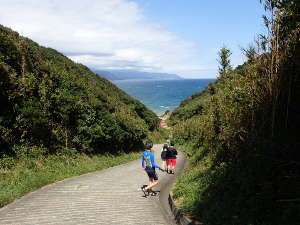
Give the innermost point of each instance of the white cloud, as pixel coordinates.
(103, 34)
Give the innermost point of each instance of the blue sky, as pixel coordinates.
(172, 36)
(209, 24)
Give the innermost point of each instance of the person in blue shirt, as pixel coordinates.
(149, 166)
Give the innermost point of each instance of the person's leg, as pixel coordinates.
(153, 184)
(172, 165)
(145, 187)
(154, 181)
(150, 176)
(151, 180)
(164, 164)
(169, 165)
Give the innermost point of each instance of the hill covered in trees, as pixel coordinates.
(50, 104)
(242, 132)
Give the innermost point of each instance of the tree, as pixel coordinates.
(224, 60)
(250, 53)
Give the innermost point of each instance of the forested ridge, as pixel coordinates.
(49, 104)
(242, 132)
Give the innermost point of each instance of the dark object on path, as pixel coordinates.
(146, 192)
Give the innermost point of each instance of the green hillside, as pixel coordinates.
(50, 104)
(242, 133)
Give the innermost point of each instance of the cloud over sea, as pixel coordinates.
(103, 34)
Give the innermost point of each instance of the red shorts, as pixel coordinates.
(171, 162)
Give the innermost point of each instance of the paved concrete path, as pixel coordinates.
(110, 196)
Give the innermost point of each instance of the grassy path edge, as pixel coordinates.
(29, 174)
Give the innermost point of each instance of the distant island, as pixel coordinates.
(134, 75)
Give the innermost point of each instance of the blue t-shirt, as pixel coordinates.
(148, 160)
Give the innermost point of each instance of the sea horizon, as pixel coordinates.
(160, 95)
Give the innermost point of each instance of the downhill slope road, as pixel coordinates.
(110, 196)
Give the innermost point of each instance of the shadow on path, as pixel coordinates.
(110, 196)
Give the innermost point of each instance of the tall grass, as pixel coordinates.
(244, 134)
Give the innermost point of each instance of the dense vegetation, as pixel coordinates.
(242, 132)
(58, 119)
(160, 135)
(50, 104)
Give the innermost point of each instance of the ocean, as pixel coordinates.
(162, 95)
